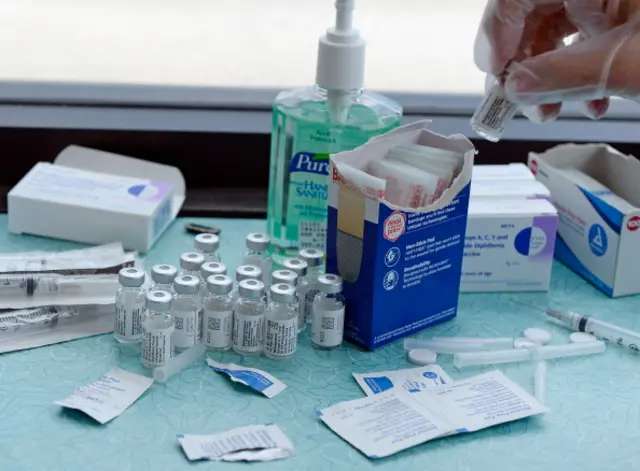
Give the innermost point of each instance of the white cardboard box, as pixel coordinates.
(513, 171)
(509, 245)
(508, 189)
(599, 217)
(97, 197)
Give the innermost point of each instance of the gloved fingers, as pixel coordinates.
(596, 109)
(590, 16)
(608, 64)
(540, 114)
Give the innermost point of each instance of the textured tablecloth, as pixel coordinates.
(593, 424)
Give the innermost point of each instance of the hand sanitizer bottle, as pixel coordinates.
(334, 115)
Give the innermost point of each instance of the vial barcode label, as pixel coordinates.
(127, 320)
(282, 337)
(156, 347)
(312, 235)
(494, 113)
(185, 332)
(218, 327)
(308, 308)
(328, 327)
(248, 333)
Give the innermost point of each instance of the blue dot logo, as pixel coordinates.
(598, 242)
(430, 375)
(143, 191)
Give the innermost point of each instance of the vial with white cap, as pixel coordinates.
(158, 326)
(327, 323)
(162, 276)
(130, 300)
(281, 335)
(208, 269)
(300, 267)
(315, 262)
(190, 264)
(288, 277)
(217, 321)
(208, 245)
(334, 115)
(258, 254)
(186, 308)
(248, 318)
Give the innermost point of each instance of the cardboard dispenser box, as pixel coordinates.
(595, 190)
(401, 267)
(97, 197)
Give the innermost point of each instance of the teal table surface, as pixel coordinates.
(593, 423)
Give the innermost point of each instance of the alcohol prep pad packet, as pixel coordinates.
(256, 379)
(410, 380)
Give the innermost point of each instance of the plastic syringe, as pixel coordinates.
(162, 373)
(549, 352)
(30, 285)
(623, 337)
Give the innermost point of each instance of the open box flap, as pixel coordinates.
(93, 160)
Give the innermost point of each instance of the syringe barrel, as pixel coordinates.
(162, 373)
(464, 359)
(622, 337)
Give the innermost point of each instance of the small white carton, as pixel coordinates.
(508, 189)
(97, 197)
(508, 245)
(594, 187)
(513, 171)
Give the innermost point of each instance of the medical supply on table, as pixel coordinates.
(582, 337)
(98, 260)
(158, 327)
(386, 423)
(594, 188)
(208, 245)
(193, 228)
(315, 267)
(26, 291)
(421, 161)
(493, 114)
(509, 245)
(190, 264)
(508, 172)
(409, 380)
(311, 123)
(390, 256)
(537, 353)
(256, 379)
(327, 313)
(209, 269)
(257, 254)
(217, 321)
(161, 374)
(186, 309)
(130, 301)
(249, 318)
(288, 277)
(48, 325)
(107, 398)
(253, 443)
(301, 268)
(281, 323)
(248, 272)
(162, 276)
(406, 185)
(422, 356)
(539, 336)
(451, 345)
(522, 342)
(96, 197)
(509, 189)
(540, 381)
(620, 336)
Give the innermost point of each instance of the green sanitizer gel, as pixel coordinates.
(311, 123)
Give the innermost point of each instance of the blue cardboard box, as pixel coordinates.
(401, 267)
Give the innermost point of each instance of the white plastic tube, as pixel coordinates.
(540, 381)
(465, 359)
(447, 346)
(162, 373)
(495, 343)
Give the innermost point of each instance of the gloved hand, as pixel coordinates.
(603, 62)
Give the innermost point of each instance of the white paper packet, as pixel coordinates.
(384, 424)
(410, 380)
(405, 185)
(445, 173)
(108, 397)
(253, 443)
(37, 327)
(256, 379)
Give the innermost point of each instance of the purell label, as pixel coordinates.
(310, 162)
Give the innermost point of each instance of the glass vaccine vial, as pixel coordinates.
(248, 318)
(208, 245)
(217, 320)
(315, 262)
(186, 308)
(162, 276)
(158, 327)
(288, 277)
(281, 319)
(130, 301)
(328, 313)
(208, 269)
(300, 267)
(258, 254)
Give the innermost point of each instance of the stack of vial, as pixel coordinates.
(260, 312)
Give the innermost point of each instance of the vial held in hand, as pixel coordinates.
(327, 324)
